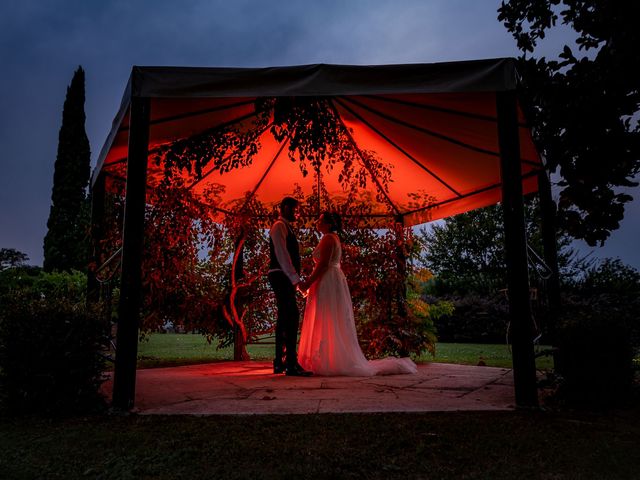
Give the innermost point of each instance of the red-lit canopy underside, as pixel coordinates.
(435, 125)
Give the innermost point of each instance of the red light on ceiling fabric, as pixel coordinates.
(441, 148)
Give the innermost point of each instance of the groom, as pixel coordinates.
(284, 276)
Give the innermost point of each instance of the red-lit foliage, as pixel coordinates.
(185, 262)
(188, 257)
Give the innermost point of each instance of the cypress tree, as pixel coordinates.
(66, 244)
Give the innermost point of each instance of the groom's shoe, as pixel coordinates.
(297, 371)
(278, 367)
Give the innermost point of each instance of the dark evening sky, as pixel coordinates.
(43, 42)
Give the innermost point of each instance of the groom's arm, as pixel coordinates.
(278, 235)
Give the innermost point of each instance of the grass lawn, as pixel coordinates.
(166, 349)
(470, 445)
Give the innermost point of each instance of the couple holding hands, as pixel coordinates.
(328, 340)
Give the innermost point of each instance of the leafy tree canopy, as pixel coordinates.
(10, 258)
(467, 251)
(584, 109)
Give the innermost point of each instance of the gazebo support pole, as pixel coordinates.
(524, 367)
(124, 382)
(550, 247)
(97, 234)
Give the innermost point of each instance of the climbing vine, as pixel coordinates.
(191, 272)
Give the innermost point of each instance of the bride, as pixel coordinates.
(328, 341)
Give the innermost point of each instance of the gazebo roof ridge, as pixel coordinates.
(323, 79)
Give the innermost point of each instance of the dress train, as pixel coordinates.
(329, 342)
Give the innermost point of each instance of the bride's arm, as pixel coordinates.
(325, 248)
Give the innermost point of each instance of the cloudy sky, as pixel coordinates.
(43, 41)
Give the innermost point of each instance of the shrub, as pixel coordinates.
(18, 279)
(32, 282)
(69, 285)
(599, 335)
(50, 358)
(407, 331)
(473, 319)
(397, 335)
(595, 352)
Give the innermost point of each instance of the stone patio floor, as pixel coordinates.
(251, 388)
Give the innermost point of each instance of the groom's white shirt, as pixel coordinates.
(278, 234)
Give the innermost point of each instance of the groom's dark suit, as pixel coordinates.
(284, 274)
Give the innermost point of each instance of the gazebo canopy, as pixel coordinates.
(411, 143)
(433, 125)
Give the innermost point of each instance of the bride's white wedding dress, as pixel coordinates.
(329, 342)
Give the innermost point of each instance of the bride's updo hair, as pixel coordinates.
(334, 221)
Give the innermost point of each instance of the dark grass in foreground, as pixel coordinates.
(485, 445)
(164, 350)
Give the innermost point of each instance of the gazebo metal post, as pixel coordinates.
(524, 368)
(97, 234)
(124, 382)
(550, 250)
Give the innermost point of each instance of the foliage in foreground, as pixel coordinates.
(50, 346)
(599, 334)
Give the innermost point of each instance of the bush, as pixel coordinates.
(401, 335)
(474, 319)
(18, 279)
(32, 282)
(390, 324)
(599, 335)
(595, 353)
(50, 358)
